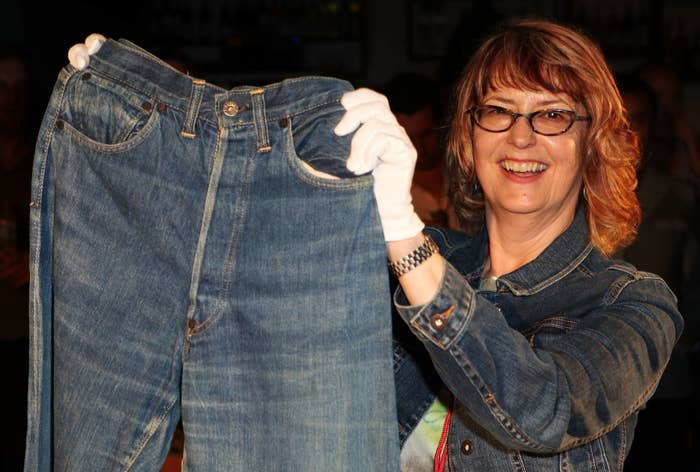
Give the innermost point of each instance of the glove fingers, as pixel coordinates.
(94, 43)
(377, 142)
(363, 113)
(360, 96)
(366, 147)
(78, 56)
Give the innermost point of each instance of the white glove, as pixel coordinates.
(382, 146)
(79, 54)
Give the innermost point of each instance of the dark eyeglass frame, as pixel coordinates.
(514, 117)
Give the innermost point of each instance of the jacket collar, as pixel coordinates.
(561, 257)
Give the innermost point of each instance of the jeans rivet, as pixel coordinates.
(59, 125)
(284, 122)
(86, 76)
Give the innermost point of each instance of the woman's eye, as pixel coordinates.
(491, 110)
(554, 115)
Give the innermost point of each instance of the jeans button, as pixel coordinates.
(230, 108)
(467, 447)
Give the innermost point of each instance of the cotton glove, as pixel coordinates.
(79, 54)
(381, 146)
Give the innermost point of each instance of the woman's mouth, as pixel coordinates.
(519, 167)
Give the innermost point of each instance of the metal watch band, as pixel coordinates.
(414, 258)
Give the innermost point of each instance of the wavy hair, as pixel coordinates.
(541, 55)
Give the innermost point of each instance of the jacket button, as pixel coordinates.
(437, 322)
(467, 447)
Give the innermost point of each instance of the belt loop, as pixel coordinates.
(193, 108)
(260, 120)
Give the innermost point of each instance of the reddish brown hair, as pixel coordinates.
(541, 55)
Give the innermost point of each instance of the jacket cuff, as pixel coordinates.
(443, 319)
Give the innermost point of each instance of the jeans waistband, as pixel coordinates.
(134, 67)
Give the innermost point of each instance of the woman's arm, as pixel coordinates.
(421, 283)
(560, 393)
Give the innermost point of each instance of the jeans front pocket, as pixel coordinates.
(316, 154)
(105, 115)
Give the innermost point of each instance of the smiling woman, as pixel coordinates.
(536, 348)
(528, 178)
(545, 58)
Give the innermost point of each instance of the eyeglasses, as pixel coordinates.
(545, 122)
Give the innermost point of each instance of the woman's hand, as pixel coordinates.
(79, 54)
(381, 146)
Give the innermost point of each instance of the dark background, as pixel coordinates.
(255, 42)
(231, 42)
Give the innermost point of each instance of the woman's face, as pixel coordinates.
(522, 172)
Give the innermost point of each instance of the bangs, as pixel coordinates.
(525, 62)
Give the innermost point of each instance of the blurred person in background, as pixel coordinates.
(667, 245)
(671, 128)
(415, 100)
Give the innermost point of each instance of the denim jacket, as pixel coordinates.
(549, 371)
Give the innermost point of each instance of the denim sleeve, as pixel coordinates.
(558, 396)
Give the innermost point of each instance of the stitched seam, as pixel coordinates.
(227, 270)
(635, 406)
(151, 429)
(519, 290)
(494, 408)
(164, 92)
(623, 446)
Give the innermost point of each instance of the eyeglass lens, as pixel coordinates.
(498, 119)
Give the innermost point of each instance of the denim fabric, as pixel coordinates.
(550, 370)
(188, 261)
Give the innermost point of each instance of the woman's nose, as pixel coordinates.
(521, 133)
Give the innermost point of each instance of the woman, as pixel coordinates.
(547, 347)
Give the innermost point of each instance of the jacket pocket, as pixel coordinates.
(548, 329)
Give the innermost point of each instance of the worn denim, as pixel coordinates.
(187, 261)
(550, 370)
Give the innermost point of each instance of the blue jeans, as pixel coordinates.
(188, 261)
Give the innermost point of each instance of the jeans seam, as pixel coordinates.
(150, 430)
(207, 213)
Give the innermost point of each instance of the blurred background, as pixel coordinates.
(412, 50)
(231, 42)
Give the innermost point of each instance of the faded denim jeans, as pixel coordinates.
(188, 261)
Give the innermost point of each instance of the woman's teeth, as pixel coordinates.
(523, 167)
